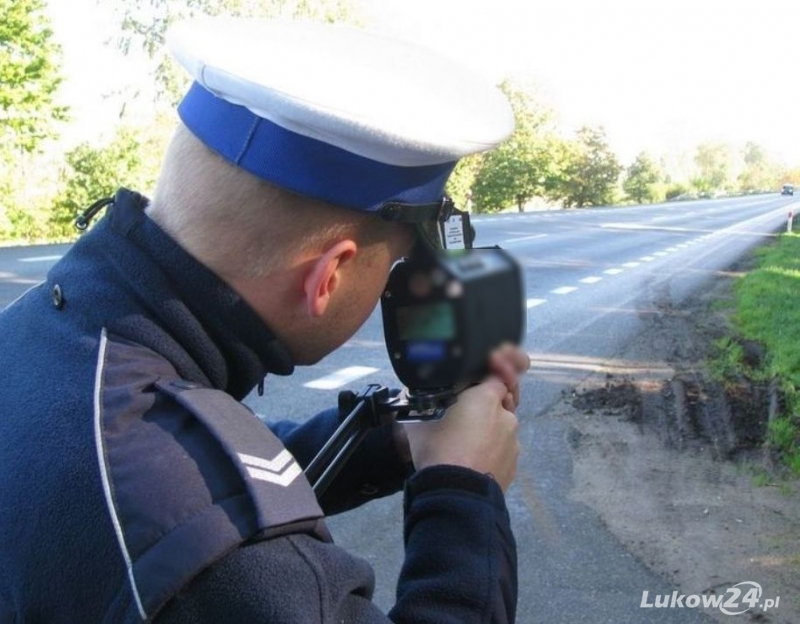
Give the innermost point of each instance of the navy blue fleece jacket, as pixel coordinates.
(82, 495)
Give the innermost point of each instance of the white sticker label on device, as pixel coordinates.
(454, 233)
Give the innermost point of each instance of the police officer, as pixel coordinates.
(135, 485)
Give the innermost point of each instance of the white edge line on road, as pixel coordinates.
(564, 290)
(340, 377)
(593, 279)
(532, 303)
(613, 271)
(631, 265)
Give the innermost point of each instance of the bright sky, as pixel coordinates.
(660, 75)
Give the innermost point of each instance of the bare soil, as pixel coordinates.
(676, 466)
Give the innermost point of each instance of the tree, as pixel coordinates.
(641, 179)
(713, 161)
(27, 184)
(791, 176)
(130, 159)
(760, 172)
(523, 166)
(144, 25)
(29, 79)
(461, 181)
(29, 76)
(592, 171)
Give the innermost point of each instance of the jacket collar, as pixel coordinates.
(229, 342)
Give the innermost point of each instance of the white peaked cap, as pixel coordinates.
(333, 112)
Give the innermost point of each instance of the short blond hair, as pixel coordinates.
(238, 224)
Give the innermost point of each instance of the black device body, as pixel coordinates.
(444, 312)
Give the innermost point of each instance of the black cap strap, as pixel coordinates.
(417, 213)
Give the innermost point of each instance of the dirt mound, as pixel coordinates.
(691, 410)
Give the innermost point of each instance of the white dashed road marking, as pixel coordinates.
(593, 279)
(524, 238)
(532, 303)
(340, 377)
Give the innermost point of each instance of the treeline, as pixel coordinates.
(43, 189)
(538, 165)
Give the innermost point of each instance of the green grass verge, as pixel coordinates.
(768, 311)
(727, 361)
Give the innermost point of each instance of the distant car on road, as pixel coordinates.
(788, 189)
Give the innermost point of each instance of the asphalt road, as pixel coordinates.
(590, 275)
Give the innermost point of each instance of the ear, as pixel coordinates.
(325, 275)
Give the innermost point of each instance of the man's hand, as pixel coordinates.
(508, 362)
(479, 431)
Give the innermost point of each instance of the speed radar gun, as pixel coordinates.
(445, 308)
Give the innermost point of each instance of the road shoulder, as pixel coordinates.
(672, 465)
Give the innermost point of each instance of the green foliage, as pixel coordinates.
(783, 435)
(675, 190)
(29, 77)
(22, 220)
(790, 176)
(753, 176)
(460, 182)
(714, 164)
(6, 203)
(591, 172)
(144, 25)
(129, 160)
(726, 364)
(641, 180)
(793, 461)
(527, 164)
(760, 173)
(769, 312)
(29, 222)
(762, 478)
(27, 183)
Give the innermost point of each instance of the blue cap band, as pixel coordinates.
(304, 165)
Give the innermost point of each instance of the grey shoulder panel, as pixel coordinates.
(269, 472)
(190, 474)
